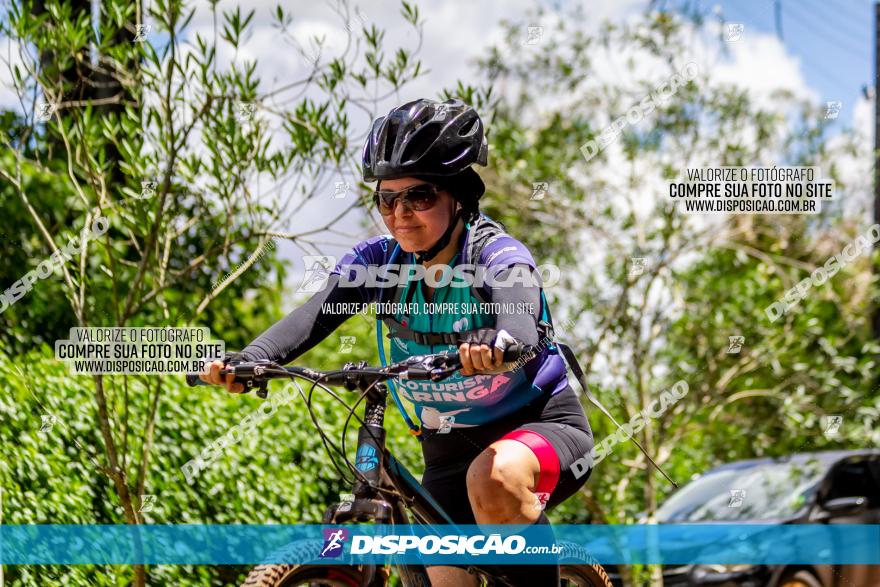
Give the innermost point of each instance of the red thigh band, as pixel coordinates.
(549, 461)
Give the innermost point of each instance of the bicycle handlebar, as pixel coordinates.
(434, 367)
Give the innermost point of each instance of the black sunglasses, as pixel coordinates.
(419, 197)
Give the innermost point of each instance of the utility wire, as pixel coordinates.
(861, 53)
(852, 29)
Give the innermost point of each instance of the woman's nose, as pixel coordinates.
(400, 209)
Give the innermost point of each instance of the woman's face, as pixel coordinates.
(416, 231)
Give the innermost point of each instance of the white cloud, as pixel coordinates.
(760, 64)
(10, 58)
(456, 33)
(855, 169)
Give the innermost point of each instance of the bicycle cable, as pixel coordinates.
(353, 412)
(329, 445)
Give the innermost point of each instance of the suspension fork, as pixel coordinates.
(370, 458)
(370, 463)
(368, 503)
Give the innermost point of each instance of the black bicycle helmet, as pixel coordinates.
(436, 142)
(425, 138)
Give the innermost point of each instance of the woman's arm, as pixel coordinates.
(478, 355)
(304, 327)
(308, 325)
(523, 326)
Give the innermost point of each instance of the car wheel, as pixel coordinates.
(800, 579)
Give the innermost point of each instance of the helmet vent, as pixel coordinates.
(468, 128)
(420, 142)
(390, 134)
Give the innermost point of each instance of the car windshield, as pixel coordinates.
(762, 491)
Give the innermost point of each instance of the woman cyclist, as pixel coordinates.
(498, 439)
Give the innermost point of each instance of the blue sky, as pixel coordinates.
(833, 40)
(828, 55)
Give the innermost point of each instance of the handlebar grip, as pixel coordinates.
(514, 349)
(514, 352)
(192, 379)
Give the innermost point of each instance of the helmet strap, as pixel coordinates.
(427, 255)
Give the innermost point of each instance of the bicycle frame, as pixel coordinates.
(381, 470)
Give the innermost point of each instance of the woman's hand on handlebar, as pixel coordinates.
(479, 355)
(477, 359)
(211, 374)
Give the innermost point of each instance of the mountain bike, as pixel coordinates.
(383, 489)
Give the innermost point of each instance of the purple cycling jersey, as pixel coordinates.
(461, 401)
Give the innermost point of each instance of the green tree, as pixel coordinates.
(152, 134)
(643, 325)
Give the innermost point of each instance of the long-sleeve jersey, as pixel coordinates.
(461, 401)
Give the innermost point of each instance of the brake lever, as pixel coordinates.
(443, 373)
(433, 367)
(251, 374)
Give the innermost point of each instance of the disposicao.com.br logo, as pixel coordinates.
(334, 541)
(447, 544)
(318, 270)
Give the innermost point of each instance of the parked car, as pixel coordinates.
(831, 487)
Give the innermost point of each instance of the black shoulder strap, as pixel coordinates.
(396, 253)
(484, 230)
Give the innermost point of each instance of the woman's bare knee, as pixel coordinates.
(500, 483)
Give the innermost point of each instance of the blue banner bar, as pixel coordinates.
(356, 544)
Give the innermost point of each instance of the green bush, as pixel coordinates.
(278, 475)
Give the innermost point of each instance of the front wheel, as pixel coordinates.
(584, 576)
(800, 579)
(299, 563)
(578, 567)
(317, 576)
(313, 576)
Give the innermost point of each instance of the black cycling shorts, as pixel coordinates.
(558, 418)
